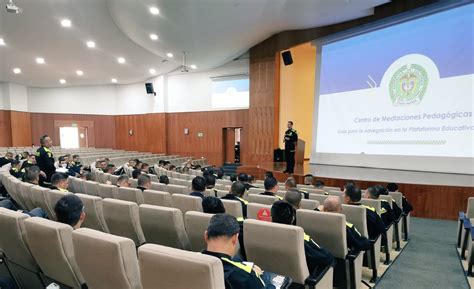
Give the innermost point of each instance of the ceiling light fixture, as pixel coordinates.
(66, 23)
(121, 60)
(153, 37)
(90, 44)
(62, 81)
(193, 66)
(40, 60)
(16, 70)
(2, 42)
(114, 80)
(169, 54)
(154, 10)
(80, 72)
(152, 71)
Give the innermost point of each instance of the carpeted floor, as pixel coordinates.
(429, 261)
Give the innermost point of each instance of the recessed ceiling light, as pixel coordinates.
(2, 42)
(154, 10)
(169, 54)
(40, 60)
(90, 44)
(66, 23)
(193, 66)
(153, 36)
(79, 72)
(62, 81)
(121, 60)
(152, 71)
(16, 70)
(114, 80)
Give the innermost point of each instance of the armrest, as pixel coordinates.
(373, 241)
(466, 223)
(311, 282)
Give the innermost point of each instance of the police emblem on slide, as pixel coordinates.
(408, 85)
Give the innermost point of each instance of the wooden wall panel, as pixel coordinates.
(20, 128)
(149, 132)
(5, 128)
(101, 128)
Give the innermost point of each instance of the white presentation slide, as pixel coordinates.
(399, 97)
(230, 93)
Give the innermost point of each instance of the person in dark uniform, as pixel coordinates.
(290, 140)
(386, 211)
(406, 206)
(221, 237)
(16, 169)
(6, 159)
(45, 158)
(236, 193)
(271, 188)
(198, 185)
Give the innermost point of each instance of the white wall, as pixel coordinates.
(132, 98)
(13, 97)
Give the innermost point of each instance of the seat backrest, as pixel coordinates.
(314, 191)
(13, 240)
(470, 207)
(221, 193)
(113, 179)
(79, 186)
(133, 183)
(38, 194)
(331, 235)
(233, 208)
(164, 226)
(175, 189)
(336, 193)
(262, 199)
(372, 203)
(116, 265)
(51, 245)
(122, 219)
(157, 198)
(14, 191)
(158, 186)
(129, 194)
(285, 257)
(164, 267)
(318, 197)
(397, 197)
(91, 188)
(309, 204)
(258, 211)
(357, 216)
(94, 213)
(24, 189)
(106, 191)
(53, 196)
(196, 224)
(389, 199)
(187, 203)
(256, 191)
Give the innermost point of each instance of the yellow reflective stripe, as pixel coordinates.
(239, 265)
(350, 225)
(47, 149)
(279, 197)
(242, 200)
(62, 190)
(307, 238)
(383, 211)
(240, 219)
(369, 208)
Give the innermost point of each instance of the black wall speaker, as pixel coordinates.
(149, 88)
(287, 59)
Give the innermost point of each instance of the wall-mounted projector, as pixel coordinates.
(12, 8)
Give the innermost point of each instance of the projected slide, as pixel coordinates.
(230, 93)
(404, 90)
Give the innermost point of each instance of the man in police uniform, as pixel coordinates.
(45, 158)
(236, 193)
(290, 140)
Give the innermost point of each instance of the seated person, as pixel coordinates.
(348, 184)
(164, 180)
(319, 184)
(406, 206)
(386, 212)
(244, 178)
(10, 205)
(236, 193)
(123, 181)
(210, 182)
(30, 161)
(32, 175)
(101, 165)
(397, 211)
(198, 186)
(76, 161)
(233, 178)
(15, 169)
(6, 159)
(355, 241)
(268, 175)
(220, 174)
(136, 173)
(308, 180)
(290, 184)
(221, 237)
(59, 182)
(293, 197)
(110, 169)
(317, 257)
(161, 163)
(145, 168)
(70, 210)
(271, 187)
(63, 166)
(22, 156)
(143, 182)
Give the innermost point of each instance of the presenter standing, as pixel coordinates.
(290, 140)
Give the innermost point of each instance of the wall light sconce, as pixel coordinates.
(130, 132)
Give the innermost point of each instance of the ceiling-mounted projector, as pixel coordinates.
(12, 8)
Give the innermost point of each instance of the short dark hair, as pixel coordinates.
(123, 178)
(268, 175)
(15, 162)
(374, 193)
(58, 177)
(210, 181)
(220, 173)
(270, 183)
(392, 187)
(319, 183)
(143, 179)
(198, 184)
(290, 122)
(31, 174)
(68, 209)
(222, 225)
(164, 179)
(238, 188)
(43, 138)
(354, 193)
(291, 182)
(349, 183)
(61, 158)
(283, 213)
(233, 178)
(381, 190)
(136, 173)
(243, 177)
(161, 162)
(75, 156)
(212, 205)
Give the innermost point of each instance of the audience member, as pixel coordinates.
(271, 187)
(6, 159)
(45, 158)
(406, 206)
(210, 181)
(144, 182)
(198, 186)
(268, 175)
(236, 193)
(32, 175)
(59, 182)
(290, 184)
(123, 181)
(293, 198)
(70, 210)
(308, 179)
(386, 212)
(15, 169)
(212, 205)
(319, 184)
(30, 161)
(164, 180)
(136, 173)
(233, 178)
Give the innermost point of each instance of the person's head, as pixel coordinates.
(233, 178)
(268, 175)
(160, 163)
(88, 176)
(32, 175)
(293, 197)
(172, 168)
(123, 181)
(68, 157)
(16, 164)
(70, 210)
(164, 180)
(352, 195)
(220, 174)
(290, 183)
(243, 177)
(62, 162)
(31, 159)
(9, 155)
(392, 187)
(349, 184)
(132, 163)
(222, 234)
(289, 125)
(46, 141)
(136, 173)
(212, 205)
(167, 165)
(110, 169)
(24, 155)
(198, 184)
(59, 180)
(283, 213)
(145, 167)
(319, 184)
(271, 185)
(210, 181)
(252, 179)
(332, 204)
(238, 189)
(103, 165)
(381, 190)
(144, 181)
(75, 158)
(308, 179)
(372, 193)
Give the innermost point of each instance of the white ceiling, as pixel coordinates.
(212, 32)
